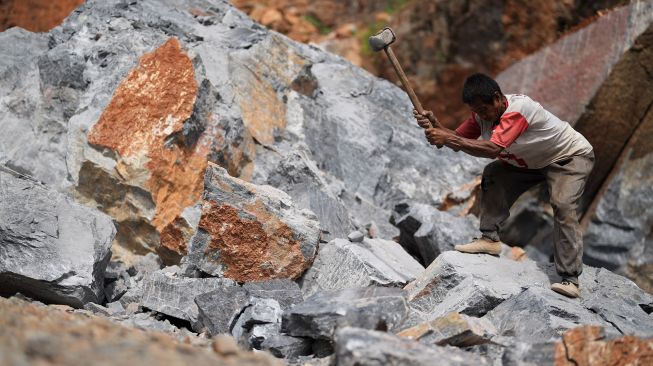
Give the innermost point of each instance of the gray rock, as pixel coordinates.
(53, 249)
(341, 264)
(617, 301)
(356, 236)
(116, 308)
(219, 309)
(174, 296)
(283, 290)
(264, 234)
(114, 290)
(426, 232)
(453, 329)
(321, 314)
(525, 354)
(539, 315)
(283, 346)
(471, 284)
(262, 332)
(356, 346)
(133, 295)
(98, 309)
(261, 311)
(116, 270)
(146, 264)
(298, 176)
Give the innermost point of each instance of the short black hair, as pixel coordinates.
(480, 86)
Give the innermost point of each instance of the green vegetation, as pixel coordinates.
(321, 27)
(392, 6)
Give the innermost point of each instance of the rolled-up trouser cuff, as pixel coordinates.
(492, 235)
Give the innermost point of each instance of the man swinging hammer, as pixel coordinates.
(532, 146)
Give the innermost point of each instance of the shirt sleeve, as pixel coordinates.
(510, 127)
(469, 129)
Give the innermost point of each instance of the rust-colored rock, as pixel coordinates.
(251, 233)
(143, 126)
(585, 346)
(452, 329)
(35, 15)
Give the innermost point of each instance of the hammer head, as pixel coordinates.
(382, 39)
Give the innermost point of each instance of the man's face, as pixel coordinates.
(491, 111)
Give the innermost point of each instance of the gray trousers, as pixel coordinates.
(502, 184)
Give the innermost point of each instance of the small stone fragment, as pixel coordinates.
(356, 236)
(219, 309)
(284, 346)
(453, 329)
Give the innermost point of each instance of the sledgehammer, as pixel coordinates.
(382, 41)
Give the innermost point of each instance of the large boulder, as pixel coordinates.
(51, 249)
(341, 264)
(249, 232)
(130, 127)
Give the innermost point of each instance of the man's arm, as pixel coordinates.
(442, 136)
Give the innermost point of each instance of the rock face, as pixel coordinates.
(251, 233)
(323, 313)
(219, 309)
(355, 346)
(453, 329)
(618, 235)
(52, 249)
(341, 264)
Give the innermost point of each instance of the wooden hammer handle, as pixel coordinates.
(404, 79)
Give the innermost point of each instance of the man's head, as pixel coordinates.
(484, 97)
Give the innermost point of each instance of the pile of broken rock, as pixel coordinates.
(359, 300)
(131, 127)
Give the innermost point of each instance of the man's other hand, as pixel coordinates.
(426, 119)
(437, 136)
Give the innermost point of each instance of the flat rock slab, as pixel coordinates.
(52, 249)
(321, 314)
(169, 294)
(283, 346)
(453, 329)
(341, 264)
(355, 346)
(249, 232)
(283, 290)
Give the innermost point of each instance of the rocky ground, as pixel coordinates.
(178, 182)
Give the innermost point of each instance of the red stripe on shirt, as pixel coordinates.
(469, 129)
(510, 127)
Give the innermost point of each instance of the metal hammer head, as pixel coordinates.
(382, 39)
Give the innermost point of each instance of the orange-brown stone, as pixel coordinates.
(35, 15)
(147, 111)
(584, 346)
(252, 249)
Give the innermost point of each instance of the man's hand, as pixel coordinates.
(426, 119)
(437, 136)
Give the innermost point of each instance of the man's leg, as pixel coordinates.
(566, 181)
(502, 184)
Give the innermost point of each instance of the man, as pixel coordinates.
(532, 146)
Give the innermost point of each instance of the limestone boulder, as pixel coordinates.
(284, 291)
(250, 232)
(319, 316)
(342, 264)
(355, 346)
(219, 309)
(173, 295)
(52, 249)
